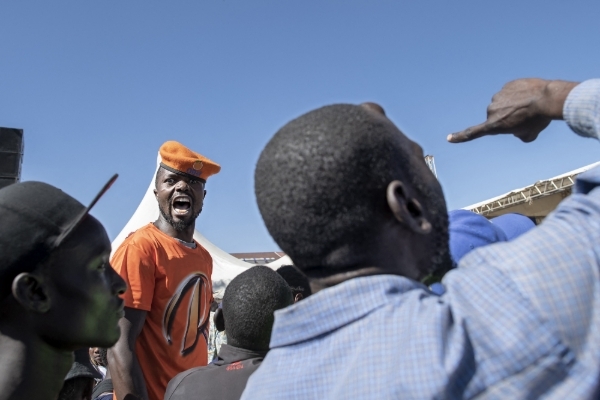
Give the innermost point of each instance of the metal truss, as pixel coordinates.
(528, 194)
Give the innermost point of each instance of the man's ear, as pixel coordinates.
(219, 320)
(31, 293)
(407, 210)
(298, 297)
(155, 193)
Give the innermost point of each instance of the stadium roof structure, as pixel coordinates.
(225, 266)
(535, 201)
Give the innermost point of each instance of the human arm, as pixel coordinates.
(127, 377)
(524, 107)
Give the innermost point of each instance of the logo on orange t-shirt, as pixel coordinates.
(197, 319)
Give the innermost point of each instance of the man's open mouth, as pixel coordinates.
(182, 205)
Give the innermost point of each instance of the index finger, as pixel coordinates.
(471, 133)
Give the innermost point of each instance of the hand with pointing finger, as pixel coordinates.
(523, 107)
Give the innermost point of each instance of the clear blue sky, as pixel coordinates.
(99, 86)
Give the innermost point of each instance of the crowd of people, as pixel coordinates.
(390, 295)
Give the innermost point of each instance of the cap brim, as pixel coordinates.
(71, 227)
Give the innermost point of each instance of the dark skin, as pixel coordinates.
(169, 188)
(181, 198)
(220, 324)
(404, 244)
(71, 302)
(523, 107)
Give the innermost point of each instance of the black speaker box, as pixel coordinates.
(11, 155)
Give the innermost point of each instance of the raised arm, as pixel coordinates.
(127, 377)
(557, 264)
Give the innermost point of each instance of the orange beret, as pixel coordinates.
(179, 159)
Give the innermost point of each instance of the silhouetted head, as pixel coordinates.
(249, 302)
(297, 281)
(340, 189)
(55, 278)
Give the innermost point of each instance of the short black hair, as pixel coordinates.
(321, 183)
(249, 302)
(297, 281)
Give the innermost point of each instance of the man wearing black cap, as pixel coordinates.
(58, 292)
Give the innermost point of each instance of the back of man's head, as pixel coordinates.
(249, 302)
(297, 281)
(321, 185)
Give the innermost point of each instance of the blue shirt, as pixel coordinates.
(518, 320)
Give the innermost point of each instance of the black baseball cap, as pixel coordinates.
(35, 219)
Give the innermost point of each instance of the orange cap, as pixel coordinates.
(179, 159)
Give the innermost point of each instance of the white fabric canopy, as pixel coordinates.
(225, 266)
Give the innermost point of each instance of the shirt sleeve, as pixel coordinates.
(137, 268)
(582, 109)
(557, 265)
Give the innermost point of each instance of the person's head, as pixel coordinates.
(341, 189)
(248, 305)
(179, 184)
(469, 231)
(56, 282)
(79, 382)
(98, 356)
(297, 281)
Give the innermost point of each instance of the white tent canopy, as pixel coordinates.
(225, 266)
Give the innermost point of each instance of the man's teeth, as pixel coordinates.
(182, 205)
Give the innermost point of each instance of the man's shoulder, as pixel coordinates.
(144, 237)
(194, 377)
(142, 242)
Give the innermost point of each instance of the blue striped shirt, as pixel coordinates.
(518, 319)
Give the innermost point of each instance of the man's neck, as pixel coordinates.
(187, 235)
(29, 367)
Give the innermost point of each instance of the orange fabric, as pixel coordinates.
(176, 156)
(173, 284)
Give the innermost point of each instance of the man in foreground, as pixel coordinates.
(58, 292)
(164, 331)
(349, 198)
(250, 300)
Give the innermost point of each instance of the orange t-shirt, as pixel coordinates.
(172, 282)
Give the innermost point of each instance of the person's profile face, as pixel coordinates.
(84, 291)
(180, 198)
(96, 356)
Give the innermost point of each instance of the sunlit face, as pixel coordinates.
(180, 198)
(84, 291)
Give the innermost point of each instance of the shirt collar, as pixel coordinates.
(229, 354)
(335, 307)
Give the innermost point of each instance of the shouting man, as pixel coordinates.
(164, 331)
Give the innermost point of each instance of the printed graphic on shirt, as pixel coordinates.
(197, 315)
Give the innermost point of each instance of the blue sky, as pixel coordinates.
(99, 86)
